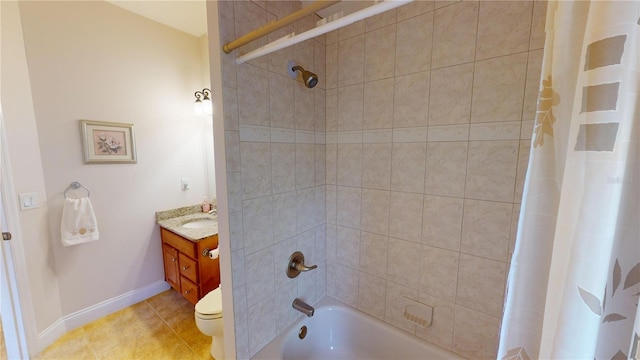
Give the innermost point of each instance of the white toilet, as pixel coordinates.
(208, 314)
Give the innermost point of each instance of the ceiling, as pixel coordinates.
(190, 16)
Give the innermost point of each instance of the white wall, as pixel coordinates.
(95, 61)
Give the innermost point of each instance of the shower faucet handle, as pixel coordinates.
(296, 265)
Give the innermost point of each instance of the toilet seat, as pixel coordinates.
(210, 306)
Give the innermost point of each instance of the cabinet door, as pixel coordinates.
(171, 269)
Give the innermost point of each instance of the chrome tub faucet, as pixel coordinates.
(303, 307)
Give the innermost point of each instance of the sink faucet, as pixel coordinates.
(303, 307)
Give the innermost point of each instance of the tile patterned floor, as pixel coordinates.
(161, 327)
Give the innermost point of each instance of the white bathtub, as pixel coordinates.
(337, 331)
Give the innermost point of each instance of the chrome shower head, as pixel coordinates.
(310, 79)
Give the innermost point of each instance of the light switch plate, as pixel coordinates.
(28, 201)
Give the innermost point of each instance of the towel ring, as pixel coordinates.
(76, 185)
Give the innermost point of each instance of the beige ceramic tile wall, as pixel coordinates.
(429, 115)
(274, 140)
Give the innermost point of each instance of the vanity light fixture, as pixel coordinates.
(203, 105)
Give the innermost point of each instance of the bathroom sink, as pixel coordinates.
(199, 223)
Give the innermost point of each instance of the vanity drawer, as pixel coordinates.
(188, 268)
(181, 244)
(189, 290)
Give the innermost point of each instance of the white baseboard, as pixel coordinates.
(94, 312)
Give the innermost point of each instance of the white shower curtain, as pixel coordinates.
(574, 280)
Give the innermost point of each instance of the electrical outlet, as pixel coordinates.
(184, 184)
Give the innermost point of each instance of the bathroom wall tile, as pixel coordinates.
(375, 211)
(305, 165)
(349, 31)
(448, 133)
(263, 322)
(278, 135)
(526, 131)
(304, 54)
(415, 8)
(378, 104)
(515, 218)
(259, 275)
(229, 66)
(331, 167)
(230, 101)
(411, 100)
(534, 68)
(350, 109)
(331, 115)
(320, 164)
(377, 136)
(258, 224)
(405, 216)
(306, 291)
(320, 103)
(321, 242)
(450, 101)
(306, 244)
(237, 268)
(408, 167)
(538, 23)
(281, 91)
(320, 56)
(351, 61)
(398, 297)
(446, 168)
(380, 53)
(240, 317)
(501, 130)
(481, 284)
(380, 20)
(234, 191)
(344, 282)
(331, 205)
(413, 47)
(442, 222)
(321, 281)
(284, 215)
(332, 37)
(416, 134)
(376, 166)
(475, 335)
(236, 233)
(282, 250)
(319, 193)
(304, 107)
(278, 59)
(254, 133)
(438, 272)
(403, 263)
(503, 28)
(372, 292)
(232, 148)
(491, 170)
(250, 16)
(331, 242)
(331, 66)
(306, 205)
(454, 34)
(348, 206)
(253, 95)
(283, 158)
(497, 89)
(350, 137)
(348, 247)
(350, 164)
(373, 254)
(486, 229)
(441, 330)
(523, 163)
(256, 169)
(285, 314)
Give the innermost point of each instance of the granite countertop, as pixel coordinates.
(173, 220)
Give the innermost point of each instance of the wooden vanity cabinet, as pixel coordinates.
(186, 269)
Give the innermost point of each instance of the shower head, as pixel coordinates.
(310, 79)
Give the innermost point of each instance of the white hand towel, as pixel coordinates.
(79, 223)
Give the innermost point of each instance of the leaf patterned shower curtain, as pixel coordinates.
(574, 280)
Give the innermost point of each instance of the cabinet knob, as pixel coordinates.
(173, 259)
(187, 291)
(184, 268)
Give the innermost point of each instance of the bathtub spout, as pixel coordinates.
(303, 307)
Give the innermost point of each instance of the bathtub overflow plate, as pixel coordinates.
(302, 333)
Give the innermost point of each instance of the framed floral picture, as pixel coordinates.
(107, 142)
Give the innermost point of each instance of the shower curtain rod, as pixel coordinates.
(293, 39)
(275, 25)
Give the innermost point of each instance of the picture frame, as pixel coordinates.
(107, 142)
